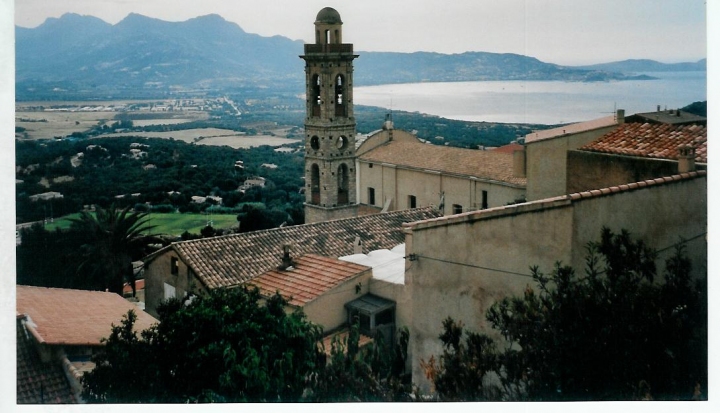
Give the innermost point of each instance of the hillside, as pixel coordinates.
(645, 65)
(83, 57)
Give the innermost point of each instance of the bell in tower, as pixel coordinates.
(329, 123)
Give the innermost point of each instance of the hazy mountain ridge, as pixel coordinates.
(646, 65)
(85, 56)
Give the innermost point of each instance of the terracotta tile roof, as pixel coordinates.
(233, 259)
(311, 276)
(571, 128)
(509, 148)
(75, 317)
(490, 165)
(38, 382)
(139, 285)
(652, 141)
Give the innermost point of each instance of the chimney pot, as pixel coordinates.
(686, 158)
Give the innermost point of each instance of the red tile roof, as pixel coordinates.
(571, 129)
(311, 276)
(652, 141)
(75, 317)
(509, 148)
(234, 259)
(489, 165)
(38, 382)
(139, 285)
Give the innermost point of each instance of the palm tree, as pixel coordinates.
(113, 239)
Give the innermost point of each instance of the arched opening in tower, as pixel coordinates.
(315, 95)
(315, 184)
(340, 99)
(343, 184)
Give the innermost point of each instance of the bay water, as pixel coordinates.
(541, 102)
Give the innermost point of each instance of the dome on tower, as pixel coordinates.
(328, 15)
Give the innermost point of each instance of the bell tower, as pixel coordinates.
(329, 123)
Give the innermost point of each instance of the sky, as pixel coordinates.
(568, 32)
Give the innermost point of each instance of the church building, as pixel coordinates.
(391, 169)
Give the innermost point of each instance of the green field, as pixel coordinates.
(170, 223)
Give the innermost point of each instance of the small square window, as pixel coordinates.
(457, 209)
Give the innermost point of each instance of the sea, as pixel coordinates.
(538, 102)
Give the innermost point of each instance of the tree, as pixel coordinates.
(359, 374)
(113, 239)
(614, 334)
(223, 347)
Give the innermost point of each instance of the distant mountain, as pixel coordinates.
(645, 65)
(78, 56)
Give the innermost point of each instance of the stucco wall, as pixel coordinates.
(319, 214)
(398, 183)
(546, 162)
(158, 273)
(465, 263)
(592, 170)
(328, 310)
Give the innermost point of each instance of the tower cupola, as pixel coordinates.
(328, 27)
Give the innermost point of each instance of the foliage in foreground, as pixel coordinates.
(613, 334)
(229, 347)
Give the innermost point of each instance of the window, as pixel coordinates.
(169, 291)
(315, 143)
(457, 209)
(174, 266)
(315, 96)
(371, 196)
(412, 201)
(343, 180)
(370, 165)
(484, 199)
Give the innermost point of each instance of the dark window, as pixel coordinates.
(174, 266)
(371, 196)
(315, 95)
(314, 184)
(315, 143)
(457, 209)
(343, 182)
(484, 200)
(412, 201)
(385, 317)
(370, 166)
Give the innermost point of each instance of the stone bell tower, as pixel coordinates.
(329, 123)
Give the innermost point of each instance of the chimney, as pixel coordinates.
(686, 158)
(620, 116)
(519, 163)
(658, 109)
(287, 262)
(357, 246)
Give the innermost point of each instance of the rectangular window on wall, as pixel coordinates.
(457, 209)
(412, 201)
(371, 196)
(169, 291)
(484, 199)
(174, 266)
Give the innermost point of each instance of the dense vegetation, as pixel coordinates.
(697, 108)
(166, 175)
(615, 333)
(228, 346)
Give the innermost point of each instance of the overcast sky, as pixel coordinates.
(556, 31)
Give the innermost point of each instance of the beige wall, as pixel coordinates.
(593, 170)
(546, 162)
(486, 255)
(328, 310)
(398, 183)
(158, 273)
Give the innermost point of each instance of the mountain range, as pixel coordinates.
(84, 55)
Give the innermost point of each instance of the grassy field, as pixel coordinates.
(171, 224)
